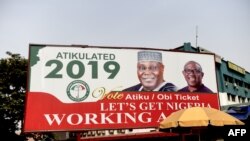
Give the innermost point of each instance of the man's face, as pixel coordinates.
(150, 74)
(193, 75)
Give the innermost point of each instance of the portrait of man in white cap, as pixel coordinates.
(150, 72)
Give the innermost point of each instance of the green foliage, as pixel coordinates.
(13, 76)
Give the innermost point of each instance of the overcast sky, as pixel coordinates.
(223, 25)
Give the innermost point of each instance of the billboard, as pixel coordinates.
(73, 88)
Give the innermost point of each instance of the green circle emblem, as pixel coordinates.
(78, 90)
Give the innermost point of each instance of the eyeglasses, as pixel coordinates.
(150, 68)
(194, 71)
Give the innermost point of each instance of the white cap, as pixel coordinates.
(149, 56)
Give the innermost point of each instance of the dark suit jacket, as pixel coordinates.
(202, 88)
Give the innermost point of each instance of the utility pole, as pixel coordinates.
(196, 37)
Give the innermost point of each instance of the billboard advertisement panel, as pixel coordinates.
(73, 88)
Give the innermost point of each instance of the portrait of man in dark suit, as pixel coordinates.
(150, 70)
(193, 75)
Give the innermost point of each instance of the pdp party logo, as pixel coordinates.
(78, 90)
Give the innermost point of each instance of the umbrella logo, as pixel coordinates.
(78, 90)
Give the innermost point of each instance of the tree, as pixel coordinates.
(13, 73)
(13, 78)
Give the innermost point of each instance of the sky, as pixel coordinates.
(222, 26)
